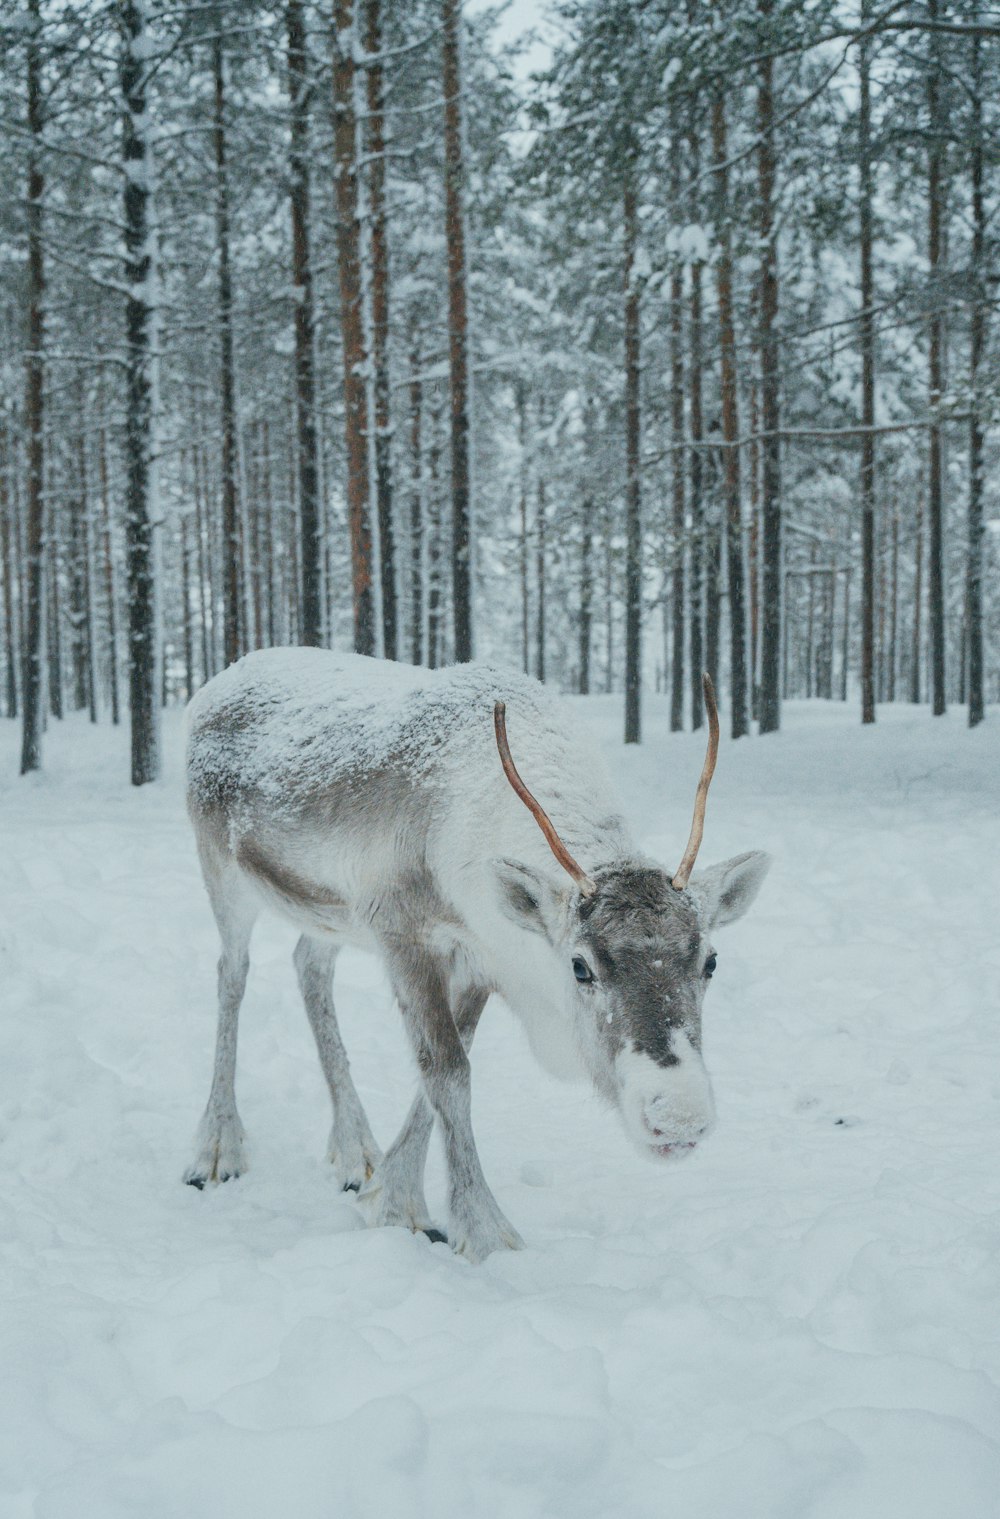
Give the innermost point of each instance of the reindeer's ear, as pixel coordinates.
(531, 900)
(725, 892)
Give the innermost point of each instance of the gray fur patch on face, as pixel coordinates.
(645, 939)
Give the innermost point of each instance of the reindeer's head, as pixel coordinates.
(637, 953)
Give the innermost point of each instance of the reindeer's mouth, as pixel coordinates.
(672, 1149)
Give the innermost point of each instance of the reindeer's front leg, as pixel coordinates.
(478, 1226)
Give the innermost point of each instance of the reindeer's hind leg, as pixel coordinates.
(353, 1151)
(220, 1151)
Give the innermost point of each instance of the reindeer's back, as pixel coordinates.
(292, 737)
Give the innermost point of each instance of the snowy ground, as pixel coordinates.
(800, 1323)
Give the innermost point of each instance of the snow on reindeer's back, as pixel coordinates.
(311, 717)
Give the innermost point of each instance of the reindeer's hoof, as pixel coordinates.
(353, 1161)
(221, 1154)
(435, 1236)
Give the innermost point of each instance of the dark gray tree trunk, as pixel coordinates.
(678, 459)
(416, 513)
(110, 579)
(352, 324)
(977, 339)
(696, 495)
(770, 383)
(522, 433)
(309, 526)
(31, 682)
(232, 538)
(540, 607)
(915, 643)
(380, 332)
(867, 329)
(739, 712)
(633, 463)
(586, 592)
(8, 541)
(458, 332)
(935, 492)
(141, 399)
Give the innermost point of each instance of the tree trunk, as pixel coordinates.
(8, 539)
(309, 526)
(110, 587)
(458, 335)
(232, 537)
(935, 496)
(586, 593)
(53, 615)
(867, 329)
(770, 381)
(187, 624)
(633, 445)
(142, 392)
(739, 716)
(678, 459)
(416, 514)
(31, 682)
(380, 331)
(522, 433)
(845, 652)
(754, 547)
(434, 614)
(352, 324)
(893, 611)
(540, 607)
(977, 339)
(698, 506)
(609, 596)
(917, 600)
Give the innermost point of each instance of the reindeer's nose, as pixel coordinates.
(675, 1126)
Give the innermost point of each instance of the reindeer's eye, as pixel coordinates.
(582, 971)
(710, 965)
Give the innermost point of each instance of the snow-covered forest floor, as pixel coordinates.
(799, 1323)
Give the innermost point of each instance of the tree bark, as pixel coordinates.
(540, 607)
(236, 634)
(416, 513)
(893, 611)
(352, 325)
(110, 587)
(696, 495)
(309, 525)
(8, 539)
(633, 445)
(867, 330)
(935, 494)
(771, 555)
(458, 334)
(141, 402)
(739, 713)
(586, 593)
(678, 460)
(31, 681)
(917, 603)
(434, 614)
(380, 331)
(977, 340)
(522, 433)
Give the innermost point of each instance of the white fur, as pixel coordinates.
(676, 1100)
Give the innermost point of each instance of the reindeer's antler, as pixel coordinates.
(541, 817)
(683, 872)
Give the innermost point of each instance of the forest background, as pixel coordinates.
(658, 339)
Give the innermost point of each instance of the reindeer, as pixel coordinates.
(377, 805)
